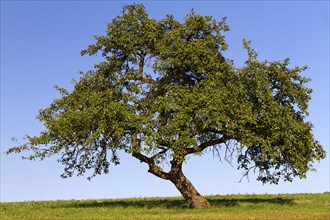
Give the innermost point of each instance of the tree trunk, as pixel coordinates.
(188, 191)
(186, 188)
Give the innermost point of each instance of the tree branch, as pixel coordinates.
(153, 168)
(164, 150)
(148, 78)
(206, 144)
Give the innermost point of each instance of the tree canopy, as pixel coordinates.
(164, 90)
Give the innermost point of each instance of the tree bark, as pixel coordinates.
(189, 192)
(186, 188)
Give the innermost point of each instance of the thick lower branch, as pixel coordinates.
(153, 168)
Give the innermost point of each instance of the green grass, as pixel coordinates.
(282, 206)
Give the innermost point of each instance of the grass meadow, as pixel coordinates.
(281, 206)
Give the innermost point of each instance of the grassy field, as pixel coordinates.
(282, 206)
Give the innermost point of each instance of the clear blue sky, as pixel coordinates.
(40, 48)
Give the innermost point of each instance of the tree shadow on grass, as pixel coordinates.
(230, 202)
(172, 203)
(128, 203)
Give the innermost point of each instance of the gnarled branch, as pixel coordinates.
(153, 168)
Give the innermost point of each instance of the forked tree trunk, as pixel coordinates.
(188, 191)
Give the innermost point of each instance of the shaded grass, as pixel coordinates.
(282, 206)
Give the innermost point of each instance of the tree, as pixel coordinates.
(165, 91)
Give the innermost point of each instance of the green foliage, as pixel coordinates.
(169, 84)
(282, 206)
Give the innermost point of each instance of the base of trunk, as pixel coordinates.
(189, 192)
(199, 202)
